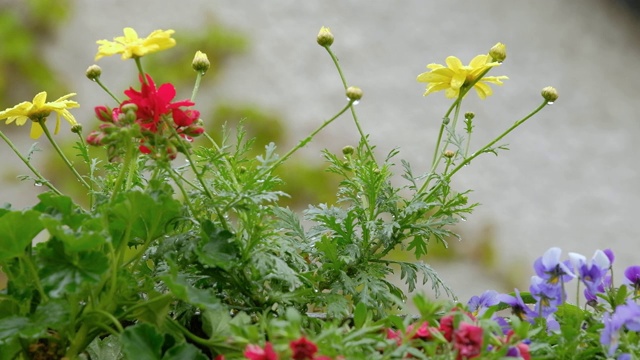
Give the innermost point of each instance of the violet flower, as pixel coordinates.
(632, 278)
(518, 307)
(550, 268)
(478, 305)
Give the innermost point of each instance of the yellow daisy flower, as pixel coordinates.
(456, 76)
(38, 110)
(130, 45)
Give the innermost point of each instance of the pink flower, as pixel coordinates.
(468, 341)
(303, 349)
(255, 352)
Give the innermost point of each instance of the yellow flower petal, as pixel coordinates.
(130, 45)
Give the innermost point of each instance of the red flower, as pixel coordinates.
(255, 352)
(423, 332)
(303, 349)
(155, 102)
(468, 341)
(446, 327)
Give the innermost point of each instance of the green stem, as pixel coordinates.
(198, 175)
(140, 71)
(440, 154)
(40, 178)
(178, 183)
(353, 111)
(109, 316)
(59, 151)
(126, 163)
(196, 86)
(304, 142)
(35, 277)
(97, 81)
(466, 161)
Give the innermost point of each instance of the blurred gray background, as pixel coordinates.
(570, 179)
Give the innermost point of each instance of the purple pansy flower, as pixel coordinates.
(632, 278)
(626, 315)
(548, 296)
(551, 269)
(518, 307)
(478, 305)
(591, 273)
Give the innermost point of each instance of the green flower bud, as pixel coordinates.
(200, 62)
(449, 154)
(325, 37)
(550, 94)
(93, 72)
(354, 93)
(76, 129)
(498, 52)
(347, 150)
(469, 115)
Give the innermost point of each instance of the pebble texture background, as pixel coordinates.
(571, 177)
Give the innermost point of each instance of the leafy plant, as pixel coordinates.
(186, 252)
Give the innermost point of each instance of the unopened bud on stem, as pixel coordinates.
(93, 72)
(325, 37)
(550, 94)
(200, 62)
(498, 52)
(354, 93)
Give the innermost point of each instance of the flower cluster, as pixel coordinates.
(300, 349)
(155, 119)
(459, 332)
(614, 307)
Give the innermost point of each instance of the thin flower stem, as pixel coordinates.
(437, 155)
(178, 183)
(198, 175)
(59, 151)
(140, 71)
(466, 161)
(438, 158)
(353, 111)
(97, 81)
(128, 156)
(196, 86)
(39, 176)
(304, 142)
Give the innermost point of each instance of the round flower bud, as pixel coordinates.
(550, 94)
(449, 153)
(348, 150)
(77, 129)
(498, 52)
(93, 72)
(325, 37)
(469, 115)
(354, 93)
(200, 62)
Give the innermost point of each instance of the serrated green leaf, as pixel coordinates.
(142, 342)
(360, 315)
(87, 236)
(63, 273)
(18, 229)
(216, 248)
(141, 216)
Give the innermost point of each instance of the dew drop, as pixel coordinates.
(356, 102)
(550, 103)
(37, 183)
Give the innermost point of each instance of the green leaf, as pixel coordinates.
(142, 217)
(108, 348)
(142, 342)
(18, 230)
(63, 273)
(216, 247)
(154, 310)
(184, 351)
(360, 315)
(87, 236)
